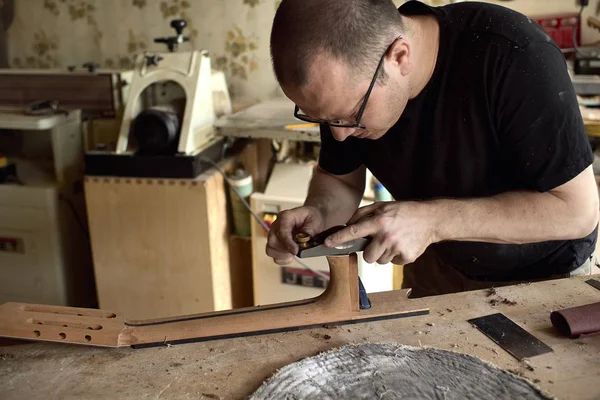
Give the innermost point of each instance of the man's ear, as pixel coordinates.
(400, 56)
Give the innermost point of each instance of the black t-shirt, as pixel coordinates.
(499, 114)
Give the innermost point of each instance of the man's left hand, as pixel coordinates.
(401, 231)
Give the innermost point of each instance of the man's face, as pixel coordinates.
(335, 93)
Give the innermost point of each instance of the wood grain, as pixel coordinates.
(337, 305)
(235, 368)
(160, 246)
(92, 93)
(240, 262)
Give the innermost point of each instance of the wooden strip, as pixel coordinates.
(337, 305)
(282, 330)
(92, 93)
(245, 310)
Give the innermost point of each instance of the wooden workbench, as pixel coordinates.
(234, 368)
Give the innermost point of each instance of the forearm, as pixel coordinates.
(337, 198)
(513, 217)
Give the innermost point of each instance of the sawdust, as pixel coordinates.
(499, 299)
(516, 372)
(319, 336)
(526, 364)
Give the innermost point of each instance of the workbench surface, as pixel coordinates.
(267, 120)
(234, 368)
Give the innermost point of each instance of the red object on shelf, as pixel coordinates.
(560, 28)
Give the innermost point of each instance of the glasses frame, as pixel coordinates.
(357, 124)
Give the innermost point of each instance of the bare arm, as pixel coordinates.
(336, 196)
(403, 230)
(569, 211)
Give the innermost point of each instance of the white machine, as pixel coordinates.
(287, 188)
(169, 118)
(44, 252)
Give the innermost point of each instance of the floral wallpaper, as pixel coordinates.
(62, 33)
(112, 33)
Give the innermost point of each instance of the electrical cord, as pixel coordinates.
(256, 217)
(76, 216)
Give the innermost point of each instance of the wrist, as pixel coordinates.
(316, 209)
(438, 212)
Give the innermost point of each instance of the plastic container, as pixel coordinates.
(241, 182)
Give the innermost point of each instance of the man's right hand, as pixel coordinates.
(281, 245)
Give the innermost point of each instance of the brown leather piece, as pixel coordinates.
(576, 321)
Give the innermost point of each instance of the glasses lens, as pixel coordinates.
(340, 124)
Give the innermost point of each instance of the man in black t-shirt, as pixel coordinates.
(466, 113)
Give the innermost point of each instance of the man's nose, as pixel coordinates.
(340, 134)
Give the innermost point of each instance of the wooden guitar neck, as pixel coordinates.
(338, 305)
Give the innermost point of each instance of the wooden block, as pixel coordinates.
(398, 276)
(160, 246)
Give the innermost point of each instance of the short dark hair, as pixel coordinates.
(354, 31)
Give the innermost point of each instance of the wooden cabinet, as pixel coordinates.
(160, 246)
(44, 257)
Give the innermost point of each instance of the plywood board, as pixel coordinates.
(160, 246)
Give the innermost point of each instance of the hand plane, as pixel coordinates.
(315, 247)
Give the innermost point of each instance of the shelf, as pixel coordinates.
(15, 119)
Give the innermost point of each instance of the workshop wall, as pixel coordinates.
(59, 33)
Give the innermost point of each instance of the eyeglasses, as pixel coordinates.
(338, 123)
